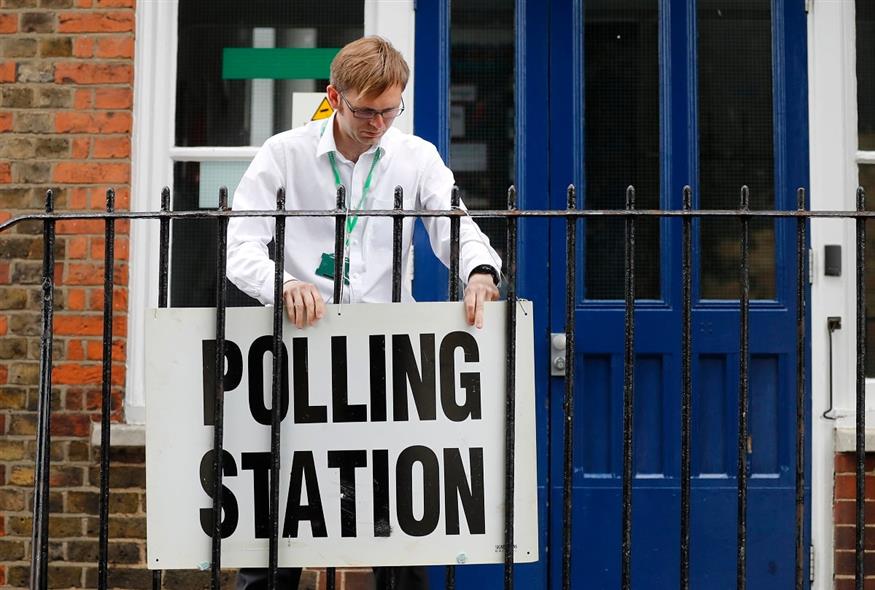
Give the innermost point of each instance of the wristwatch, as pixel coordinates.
(485, 269)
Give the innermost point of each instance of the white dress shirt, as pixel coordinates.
(298, 161)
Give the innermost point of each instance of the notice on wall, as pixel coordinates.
(392, 444)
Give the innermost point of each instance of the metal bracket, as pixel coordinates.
(557, 354)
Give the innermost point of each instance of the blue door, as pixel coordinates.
(658, 94)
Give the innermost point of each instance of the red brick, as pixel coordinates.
(76, 122)
(75, 352)
(78, 374)
(78, 425)
(847, 463)
(90, 173)
(77, 247)
(5, 173)
(846, 487)
(113, 98)
(5, 122)
(80, 226)
(83, 3)
(121, 248)
(4, 266)
(83, 47)
(76, 300)
(78, 325)
(89, 73)
(95, 22)
(115, 3)
(83, 99)
(112, 147)
(4, 325)
(7, 71)
(8, 23)
(80, 151)
(80, 273)
(115, 47)
(73, 401)
(95, 350)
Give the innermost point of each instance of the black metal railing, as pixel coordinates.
(572, 215)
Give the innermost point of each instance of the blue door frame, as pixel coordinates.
(550, 154)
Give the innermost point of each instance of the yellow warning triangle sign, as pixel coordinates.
(323, 111)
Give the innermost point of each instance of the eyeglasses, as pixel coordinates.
(368, 114)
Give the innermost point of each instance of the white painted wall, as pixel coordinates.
(833, 137)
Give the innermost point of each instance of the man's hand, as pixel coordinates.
(480, 289)
(303, 302)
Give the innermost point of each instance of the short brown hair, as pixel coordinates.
(369, 65)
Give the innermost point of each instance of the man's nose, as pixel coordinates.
(378, 121)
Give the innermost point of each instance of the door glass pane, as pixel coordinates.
(226, 96)
(866, 73)
(736, 145)
(621, 94)
(482, 108)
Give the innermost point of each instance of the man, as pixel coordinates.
(357, 148)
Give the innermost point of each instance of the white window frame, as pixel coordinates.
(154, 153)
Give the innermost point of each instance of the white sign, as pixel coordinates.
(393, 435)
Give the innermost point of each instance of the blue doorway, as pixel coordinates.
(658, 94)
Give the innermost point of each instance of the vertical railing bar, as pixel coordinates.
(686, 387)
(859, 547)
(510, 400)
(455, 224)
(339, 277)
(397, 226)
(39, 547)
(800, 389)
(164, 249)
(163, 275)
(568, 460)
(453, 292)
(106, 392)
(219, 402)
(628, 391)
(279, 248)
(339, 243)
(744, 387)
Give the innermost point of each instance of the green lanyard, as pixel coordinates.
(353, 220)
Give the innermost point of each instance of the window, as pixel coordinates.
(212, 82)
(243, 70)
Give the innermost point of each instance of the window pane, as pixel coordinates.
(866, 73)
(736, 145)
(621, 87)
(193, 245)
(219, 105)
(482, 108)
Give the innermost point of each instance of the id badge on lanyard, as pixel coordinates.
(327, 262)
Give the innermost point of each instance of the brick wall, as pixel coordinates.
(66, 75)
(845, 512)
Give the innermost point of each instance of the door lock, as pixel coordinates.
(557, 354)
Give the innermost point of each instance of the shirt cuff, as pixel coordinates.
(266, 292)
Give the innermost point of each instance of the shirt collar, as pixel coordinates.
(326, 141)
